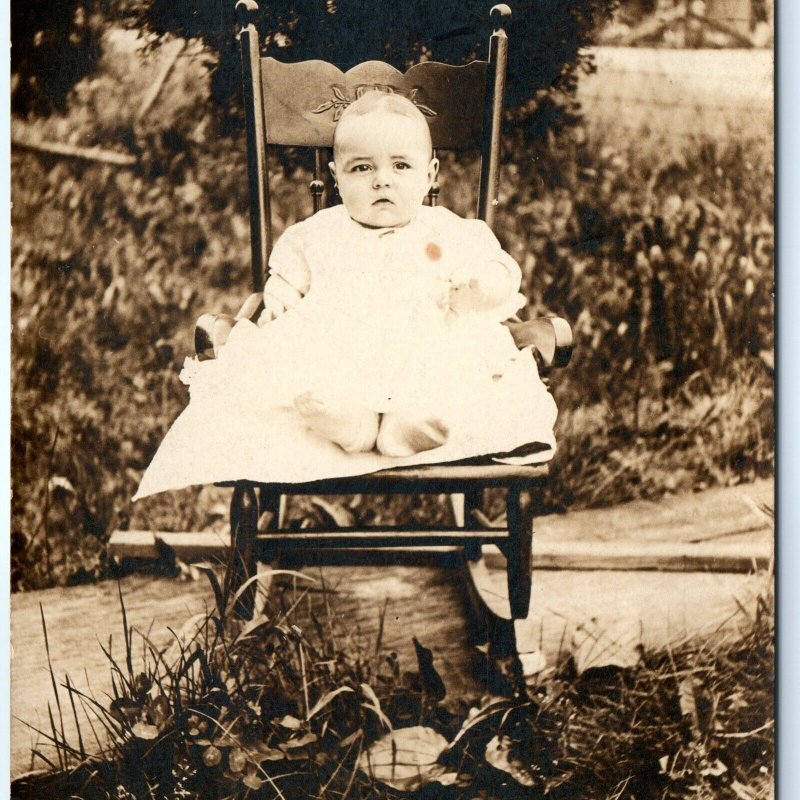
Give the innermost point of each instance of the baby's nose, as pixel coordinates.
(381, 177)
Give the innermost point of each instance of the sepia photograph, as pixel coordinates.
(392, 399)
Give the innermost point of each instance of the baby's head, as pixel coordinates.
(382, 159)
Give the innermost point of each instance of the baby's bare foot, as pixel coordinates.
(400, 435)
(353, 428)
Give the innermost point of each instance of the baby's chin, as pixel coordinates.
(383, 217)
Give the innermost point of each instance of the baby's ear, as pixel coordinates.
(332, 168)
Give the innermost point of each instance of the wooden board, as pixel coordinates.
(729, 513)
(721, 528)
(712, 556)
(661, 609)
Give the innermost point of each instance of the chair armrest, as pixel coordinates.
(211, 330)
(550, 337)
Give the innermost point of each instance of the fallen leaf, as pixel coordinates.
(375, 704)
(605, 644)
(265, 753)
(142, 730)
(301, 742)
(714, 770)
(498, 754)
(532, 663)
(290, 722)
(252, 781)
(405, 759)
(461, 779)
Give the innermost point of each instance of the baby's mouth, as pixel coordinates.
(383, 201)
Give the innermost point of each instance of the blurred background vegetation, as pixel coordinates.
(663, 265)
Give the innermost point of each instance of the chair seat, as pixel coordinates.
(425, 478)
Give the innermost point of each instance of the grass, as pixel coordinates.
(261, 708)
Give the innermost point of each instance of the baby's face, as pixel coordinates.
(383, 166)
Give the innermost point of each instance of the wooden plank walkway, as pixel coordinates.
(418, 600)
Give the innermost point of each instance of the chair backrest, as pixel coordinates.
(299, 104)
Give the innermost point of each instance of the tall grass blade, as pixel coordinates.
(71, 696)
(100, 747)
(268, 573)
(219, 596)
(128, 634)
(39, 754)
(52, 681)
(381, 621)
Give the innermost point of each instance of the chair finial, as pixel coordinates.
(246, 12)
(500, 16)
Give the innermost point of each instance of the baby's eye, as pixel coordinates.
(401, 165)
(361, 168)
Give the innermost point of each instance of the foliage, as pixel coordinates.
(665, 271)
(57, 44)
(262, 708)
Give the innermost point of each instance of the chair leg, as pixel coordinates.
(271, 517)
(473, 499)
(463, 504)
(457, 502)
(520, 529)
(242, 563)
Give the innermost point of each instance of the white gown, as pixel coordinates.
(374, 330)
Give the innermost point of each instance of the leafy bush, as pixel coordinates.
(57, 43)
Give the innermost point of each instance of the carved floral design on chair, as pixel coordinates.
(340, 100)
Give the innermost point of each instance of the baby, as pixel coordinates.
(384, 167)
(381, 343)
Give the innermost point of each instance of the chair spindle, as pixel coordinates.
(433, 194)
(317, 186)
(493, 115)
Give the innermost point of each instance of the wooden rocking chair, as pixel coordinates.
(297, 105)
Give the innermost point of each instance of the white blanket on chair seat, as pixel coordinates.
(371, 330)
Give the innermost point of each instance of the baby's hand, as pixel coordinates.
(279, 297)
(272, 310)
(483, 287)
(464, 297)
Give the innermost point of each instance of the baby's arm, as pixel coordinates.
(289, 278)
(485, 277)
